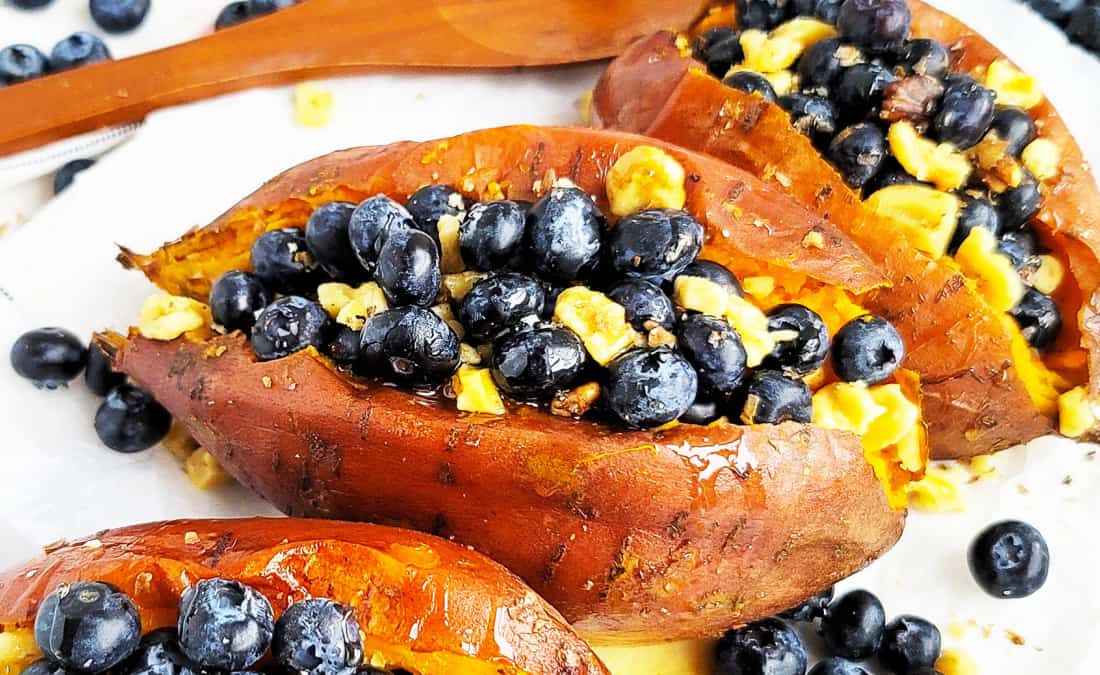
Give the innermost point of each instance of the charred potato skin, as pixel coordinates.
(973, 397)
(641, 536)
(394, 578)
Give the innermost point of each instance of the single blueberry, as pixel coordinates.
(233, 14)
(977, 211)
(859, 90)
(431, 202)
(30, 4)
(802, 339)
(715, 350)
(826, 10)
(703, 411)
(867, 349)
(645, 303)
(118, 16)
(716, 273)
(751, 83)
(834, 665)
(814, 116)
(765, 14)
(564, 235)
(1019, 204)
(345, 346)
(80, 48)
(1009, 559)
(650, 387)
(1058, 11)
(87, 626)
(1021, 247)
(500, 302)
(408, 268)
(815, 607)
(854, 625)
(768, 647)
(318, 637)
(48, 357)
(328, 242)
(910, 645)
(288, 325)
(772, 398)
(491, 236)
(925, 57)
(879, 26)
(857, 152)
(371, 224)
(966, 112)
(100, 374)
(420, 349)
(1084, 27)
(822, 64)
(537, 363)
(1039, 319)
(47, 667)
(68, 172)
(1015, 127)
(654, 243)
(224, 624)
(259, 7)
(19, 63)
(236, 298)
(159, 654)
(719, 49)
(130, 420)
(282, 261)
(372, 355)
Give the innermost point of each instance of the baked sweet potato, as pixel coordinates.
(424, 605)
(984, 389)
(633, 535)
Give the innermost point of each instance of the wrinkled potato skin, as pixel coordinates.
(973, 398)
(424, 604)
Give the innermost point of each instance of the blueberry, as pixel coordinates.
(650, 387)
(867, 349)
(371, 223)
(857, 152)
(431, 202)
(910, 645)
(837, 666)
(328, 243)
(890, 173)
(877, 25)
(854, 625)
(802, 340)
(224, 624)
(815, 607)
(232, 14)
(319, 637)
(719, 49)
(1039, 319)
(159, 654)
(1021, 247)
(118, 16)
(1009, 559)
(78, 49)
(344, 348)
(1084, 27)
(813, 116)
(1019, 204)
(408, 268)
(564, 235)
(646, 304)
(235, 299)
(977, 211)
(766, 14)
(717, 273)
(87, 626)
(768, 647)
(259, 7)
(48, 357)
(282, 261)
(500, 302)
(420, 349)
(47, 667)
(1058, 11)
(703, 411)
(372, 354)
(19, 63)
(859, 90)
(30, 4)
(772, 398)
(491, 236)
(714, 349)
(535, 364)
(821, 65)
(67, 173)
(925, 57)
(751, 83)
(966, 112)
(654, 243)
(1015, 127)
(826, 10)
(100, 375)
(130, 420)
(288, 325)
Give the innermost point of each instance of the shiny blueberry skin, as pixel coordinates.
(751, 83)
(282, 261)
(232, 14)
(859, 90)
(1084, 27)
(977, 211)
(328, 243)
(835, 665)
(48, 357)
(1018, 205)
(534, 364)
(655, 243)
(159, 654)
(371, 224)
(235, 298)
(1039, 319)
(650, 387)
(815, 607)
(431, 202)
(119, 16)
(87, 626)
(703, 411)
(1021, 247)
(499, 303)
(826, 10)
(288, 325)
(808, 350)
(764, 14)
(78, 49)
(910, 645)
(717, 273)
(814, 116)
(925, 57)
(130, 420)
(259, 7)
(19, 63)
(854, 625)
(68, 172)
(318, 636)
(820, 67)
(1009, 559)
(344, 347)
(876, 25)
(224, 624)
(719, 49)
(645, 303)
(1058, 11)
(772, 398)
(564, 235)
(372, 354)
(857, 152)
(715, 350)
(47, 667)
(491, 237)
(408, 268)
(867, 349)
(100, 375)
(966, 112)
(420, 349)
(768, 647)
(1015, 127)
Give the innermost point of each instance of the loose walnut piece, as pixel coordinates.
(913, 98)
(577, 402)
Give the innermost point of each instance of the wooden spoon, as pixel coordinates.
(325, 37)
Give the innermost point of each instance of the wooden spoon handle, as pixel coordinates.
(324, 37)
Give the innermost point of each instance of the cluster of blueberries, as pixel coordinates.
(1080, 19)
(223, 627)
(532, 252)
(843, 84)
(1008, 560)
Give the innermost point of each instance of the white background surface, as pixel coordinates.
(189, 164)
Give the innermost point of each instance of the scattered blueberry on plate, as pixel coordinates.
(129, 420)
(118, 16)
(19, 63)
(1009, 559)
(48, 357)
(68, 172)
(80, 48)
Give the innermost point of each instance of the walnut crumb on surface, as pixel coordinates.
(267, 381)
(191, 538)
(814, 239)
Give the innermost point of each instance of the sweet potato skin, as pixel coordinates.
(974, 398)
(424, 604)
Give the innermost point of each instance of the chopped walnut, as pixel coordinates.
(658, 336)
(999, 169)
(913, 98)
(575, 403)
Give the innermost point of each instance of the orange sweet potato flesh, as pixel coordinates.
(633, 536)
(424, 604)
(974, 398)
